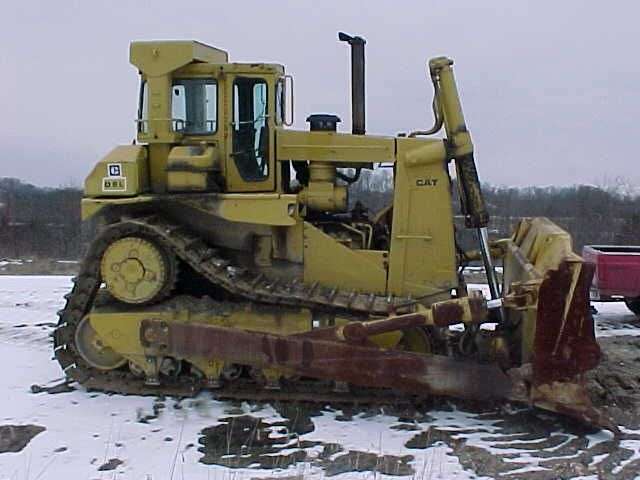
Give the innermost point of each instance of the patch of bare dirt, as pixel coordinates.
(615, 384)
(249, 442)
(110, 464)
(13, 438)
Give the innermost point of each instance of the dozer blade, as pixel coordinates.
(547, 297)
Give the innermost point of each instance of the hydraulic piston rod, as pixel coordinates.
(483, 236)
(461, 149)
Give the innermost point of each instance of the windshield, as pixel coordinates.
(194, 106)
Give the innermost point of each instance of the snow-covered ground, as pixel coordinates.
(161, 438)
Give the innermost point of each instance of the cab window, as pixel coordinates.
(143, 109)
(194, 106)
(280, 102)
(250, 128)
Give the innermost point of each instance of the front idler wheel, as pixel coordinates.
(93, 350)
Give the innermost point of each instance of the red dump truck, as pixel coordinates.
(617, 276)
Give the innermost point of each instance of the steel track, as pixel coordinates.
(234, 279)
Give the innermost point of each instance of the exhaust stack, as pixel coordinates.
(357, 82)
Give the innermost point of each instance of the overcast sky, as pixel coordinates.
(551, 89)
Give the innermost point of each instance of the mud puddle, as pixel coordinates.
(248, 441)
(13, 438)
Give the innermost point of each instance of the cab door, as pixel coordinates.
(250, 158)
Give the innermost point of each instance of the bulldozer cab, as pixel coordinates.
(190, 95)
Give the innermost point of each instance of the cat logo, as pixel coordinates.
(426, 182)
(114, 170)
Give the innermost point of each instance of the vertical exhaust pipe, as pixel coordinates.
(357, 82)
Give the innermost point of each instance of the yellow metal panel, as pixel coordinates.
(197, 156)
(333, 147)
(122, 173)
(158, 157)
(288, 243)
(190, 168)
(257, 208)
(451, 107)
(90, 206)
(378, 257)
(158, 127)
(215, 69)
(183, 181)
(119, 328)
(422, 258)
(324, 196)
(161, 57)
(332, 264)
(545, 244)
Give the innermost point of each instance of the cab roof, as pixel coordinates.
(156, 58)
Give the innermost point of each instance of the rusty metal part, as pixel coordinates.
(471, 309)
(522, 296)
(567, 348)
(155, 335)
(333, 360)
(357, 331)
(564, 344)
(571, 399)
(445, 314)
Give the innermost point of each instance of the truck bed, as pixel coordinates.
(617, 275)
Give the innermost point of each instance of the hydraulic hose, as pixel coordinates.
(437, 114)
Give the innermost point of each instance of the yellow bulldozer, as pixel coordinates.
(227, 255)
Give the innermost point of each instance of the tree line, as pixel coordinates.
(45, 222)
(607, 214)
(39, 222)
